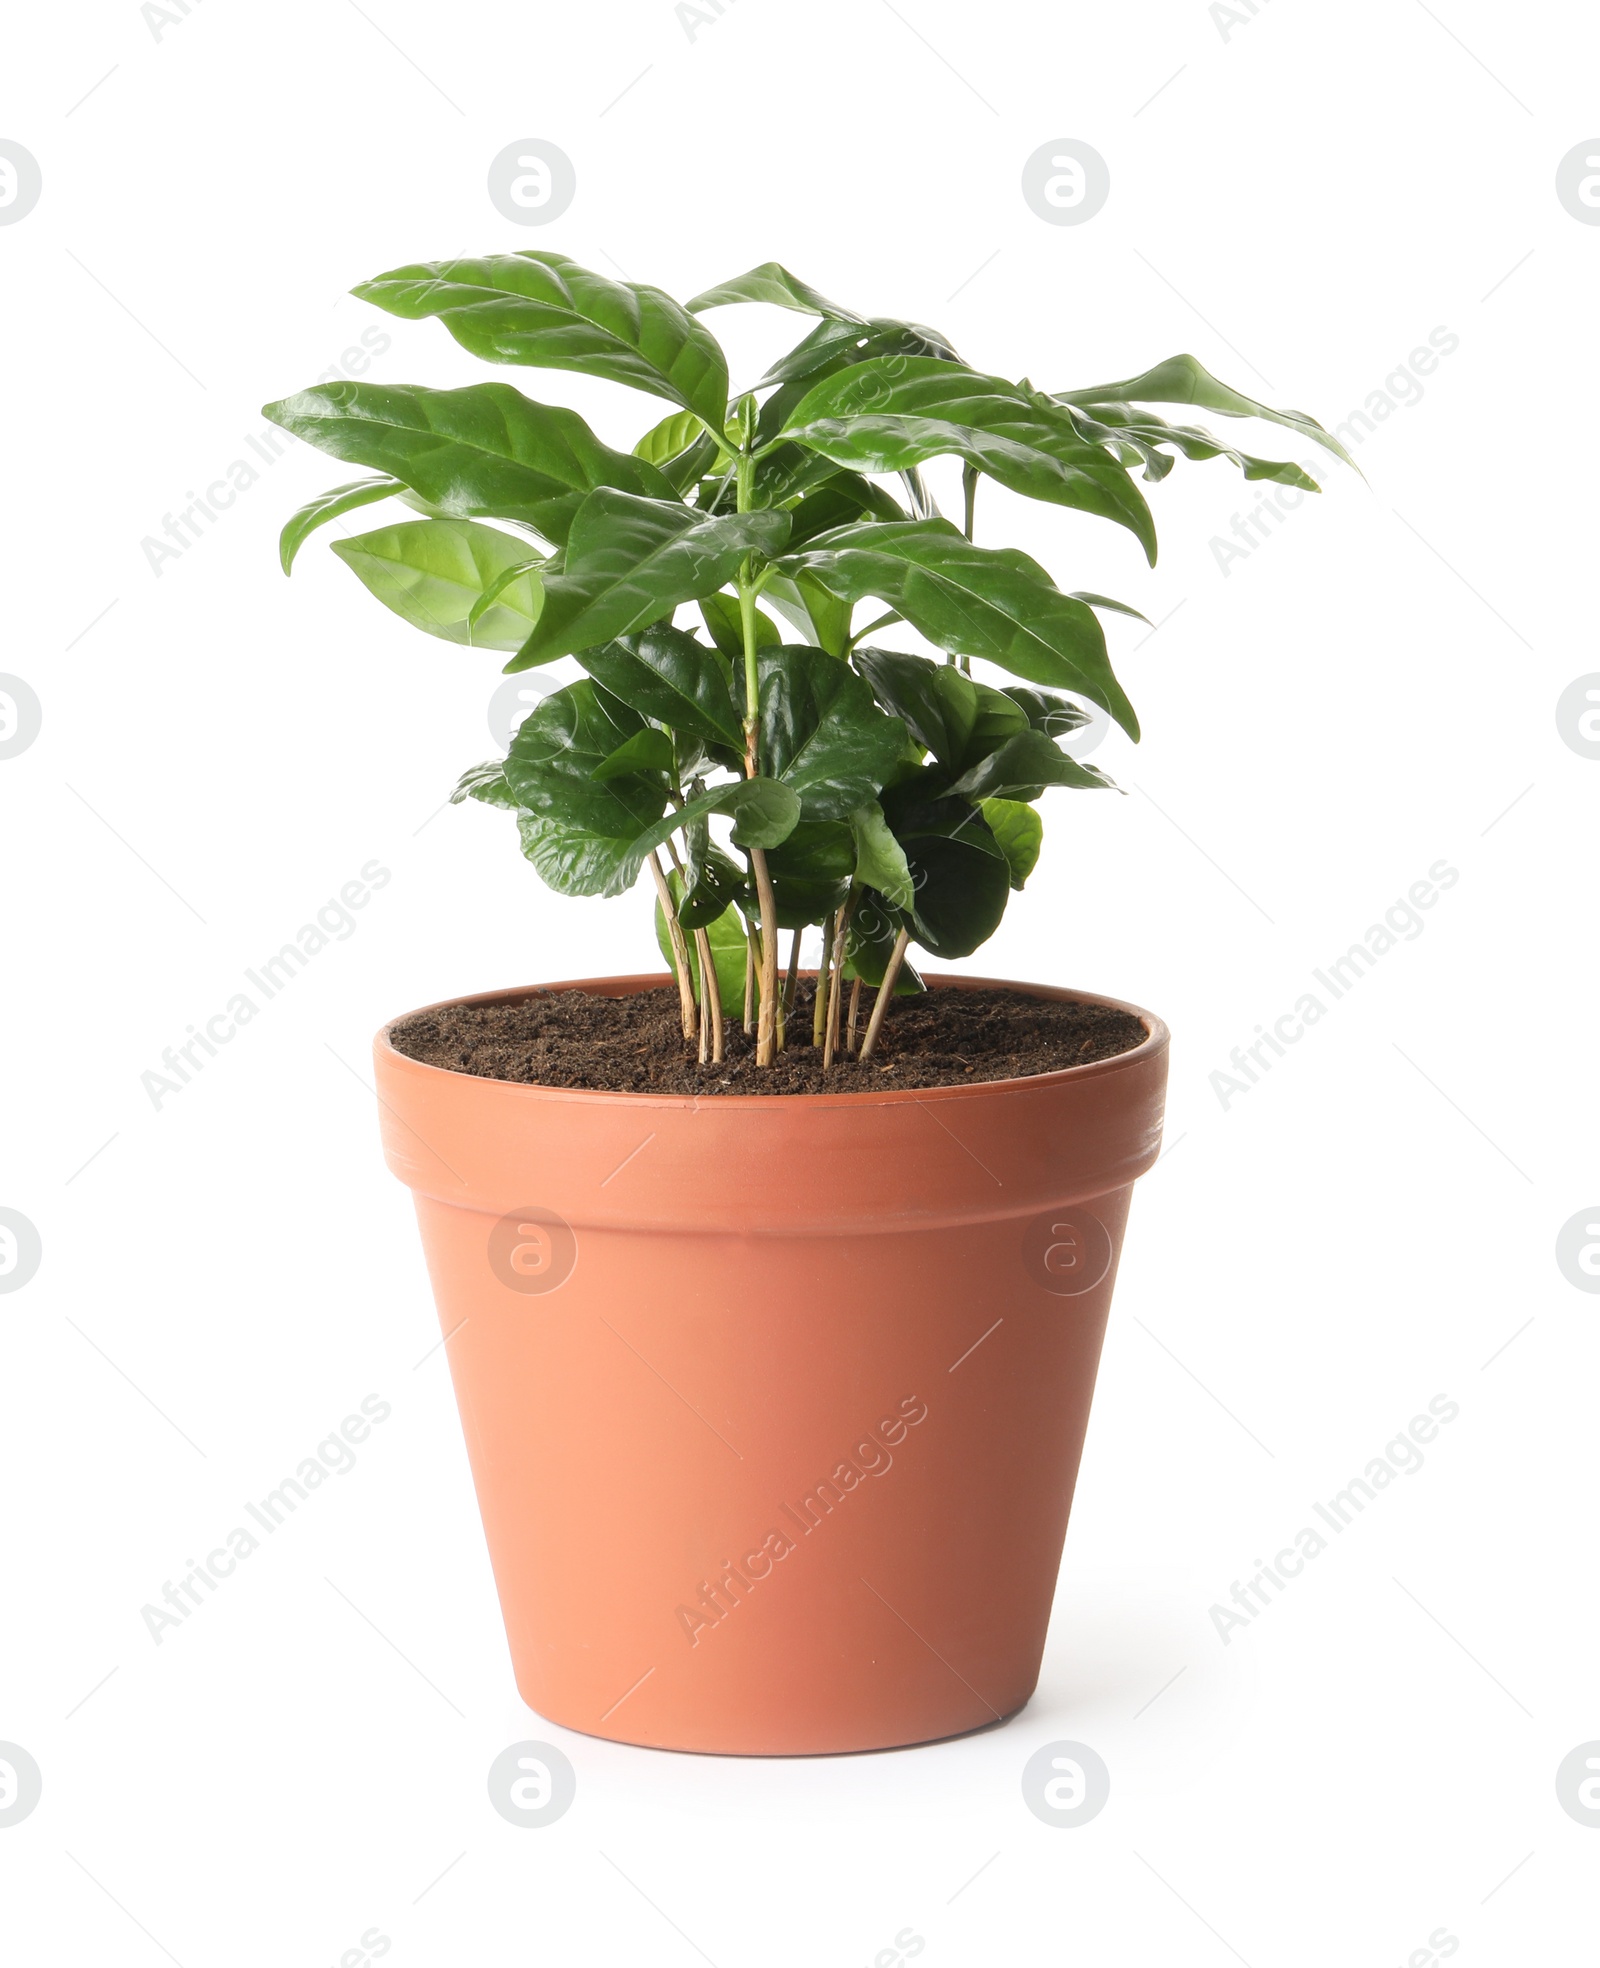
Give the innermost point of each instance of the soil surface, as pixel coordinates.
(635, 1044)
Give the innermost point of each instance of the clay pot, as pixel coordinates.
(774, 1404)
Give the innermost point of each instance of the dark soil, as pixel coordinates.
(635, 1044)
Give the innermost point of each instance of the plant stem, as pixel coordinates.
(680, 950)
(710, 999)
(767, 1015)
(819, 1009)
(880, 1003)
(855, 1006)
(871, 628)
(791, 982)
(749, 982)
(749, 587)
(830, 1043)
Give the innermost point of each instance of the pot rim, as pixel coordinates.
(1157, 1039)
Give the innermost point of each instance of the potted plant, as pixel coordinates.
(774, 1296)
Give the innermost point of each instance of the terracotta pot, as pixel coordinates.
(774, 1404)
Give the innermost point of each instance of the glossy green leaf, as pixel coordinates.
(893, 413)
(694, 454)
(963, 883)
(532, 566)
(714, 885)
(630, 561)
(841, 498)
(775, 285)
(880, 859)
(763, 812)
(573, 860)
(486, 782)
(974, 601)
(670, 438)
(839, 344)
(1019, 834)
(432, 571)
(330, 505)
(1045, 711)
(649, 751)
(486, 451)
(1181, 379)
(939, 704)
(668, 676)
(541, 308)
(1022, 767)
(821, 733)
(725, 625)
(556, 762)
(1118, 423)
(811, 871)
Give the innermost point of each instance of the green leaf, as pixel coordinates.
(893, 413)
(963, 882)
(715, 883)
(1118, 423)
(774, 284)
(695, 453)
(572, 859)
(670, 438)
(668, 676)
(1105, 601)
(1045, 711)
(533, 566)
(1022, 767)
(839, 344)
(630, 561)
(821, 733)
(486, 782)
(811, 871)
(556, 764)
(486, 451)
(541, 308)
(330, 505)
(822, 618)
(646, 751)
(1181, 379)
(939, 704)
(725, 625)
(432, 571)
(973, 601)
(869, 942)
(842, 497)
(764, 814)
(880, 859)
(1018, 832)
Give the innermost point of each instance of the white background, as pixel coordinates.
(1309, 194)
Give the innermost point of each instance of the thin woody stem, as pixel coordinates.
(680, 950)
(836, 981)
(791, 982)
(767, 1017)
(710, 999)
(880, 1003)
(819, 1008)
(855, 1007)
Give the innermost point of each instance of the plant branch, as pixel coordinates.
(880, 1003)
(680, 950)
(710, 999)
